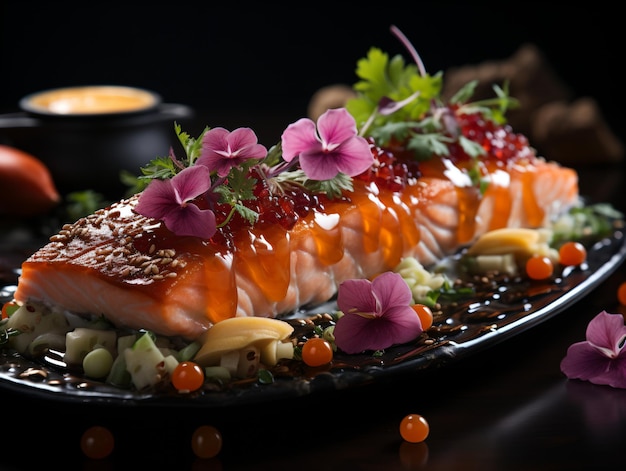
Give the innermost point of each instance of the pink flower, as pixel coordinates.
(223, 150)
(601, 359)
(336, 149)
(376, 314)
(171, 201)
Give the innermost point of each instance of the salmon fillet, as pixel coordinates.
(133, 271)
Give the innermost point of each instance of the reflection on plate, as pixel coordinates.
(499, 309)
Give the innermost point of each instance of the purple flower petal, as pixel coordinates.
(395, 296)
(404, 325)
(190, 220)
(601, 359)
(354, 156)
(356, 334)
(170, 201)
(223, 150)
(191, 183)
(336, 149)
(336, 126)
(607, 331)
(584, 361)
(244, 143)
(299, 137)
(157, 199)
(615, 376)
(376, 314)
(391, 289)
(215, 140)
(357, 296)
(319, 165)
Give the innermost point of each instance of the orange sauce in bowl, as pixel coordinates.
(92, 100)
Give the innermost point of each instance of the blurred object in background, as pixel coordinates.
(532, 81)
(88, 135)
(560, 126)
(26, 185)
(262, 73)
(329, 97)
(575, 133)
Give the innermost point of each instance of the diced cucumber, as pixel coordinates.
(124, 342)
(217, 373)
(82, 340)
(33, 321)
(229, 361)
(170, 362)
(144, 362)
(167, 351)
(119, 375)
(189, 351)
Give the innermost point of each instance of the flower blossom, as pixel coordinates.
(222, 149)
(376, 314)
(601, 359)
(171, 201)
(335, 146)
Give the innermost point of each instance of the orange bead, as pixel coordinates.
(425, 314)
(414, 428)
(97, 442)
(317, 352)
(572, 253)
(539, 267)
(621, 294)
(206, 442)
(188, 376)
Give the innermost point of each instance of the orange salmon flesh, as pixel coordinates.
(137, 274)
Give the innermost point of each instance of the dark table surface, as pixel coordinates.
(507, 407)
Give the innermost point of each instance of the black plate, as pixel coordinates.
(500, 309)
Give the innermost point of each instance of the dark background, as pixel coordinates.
(259, 66)
(257, 61)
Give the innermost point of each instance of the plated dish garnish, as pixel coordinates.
(397, 207)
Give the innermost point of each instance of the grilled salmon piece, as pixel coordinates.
(133, 271)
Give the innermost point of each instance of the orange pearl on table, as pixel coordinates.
(97, 442)
(206, 442)
(413, 456)
(414, 428)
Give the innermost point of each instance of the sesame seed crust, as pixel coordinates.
(119, 244)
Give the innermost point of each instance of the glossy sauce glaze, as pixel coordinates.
(181, 285)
